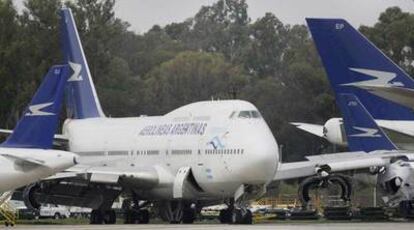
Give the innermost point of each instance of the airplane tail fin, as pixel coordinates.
(362, 131)
(81, 98)
(40, 119)
(354, 64)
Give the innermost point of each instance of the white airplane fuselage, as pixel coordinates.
(225, 143)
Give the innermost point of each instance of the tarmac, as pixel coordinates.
(281, 226)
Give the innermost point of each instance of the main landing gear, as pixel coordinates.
(176, 212)
(235, 215)
(134, 212)
(103, 216)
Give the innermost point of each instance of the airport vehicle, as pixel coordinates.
(354, 65)
(53, 211)
(25, 156)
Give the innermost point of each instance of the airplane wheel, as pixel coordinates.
(144, 217)
(248, 217)
(110, 217)
(225, 216)
(96, 217)
(189, 216)
(238, 217)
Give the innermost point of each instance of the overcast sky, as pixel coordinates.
(143, 14)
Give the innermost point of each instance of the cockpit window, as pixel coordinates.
(249, 114)
(244, 114)
(256, 114)
(232, 114)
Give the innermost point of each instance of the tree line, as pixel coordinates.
(219, 53)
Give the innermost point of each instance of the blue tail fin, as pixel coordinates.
(362, 131)
(39, 122)
(352, 61)
(81, 98)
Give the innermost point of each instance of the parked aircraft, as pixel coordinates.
(25, 156)
(394, 168)
(200, 154)
(354, 65)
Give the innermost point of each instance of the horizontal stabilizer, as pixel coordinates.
(310, 128)
(24, 159)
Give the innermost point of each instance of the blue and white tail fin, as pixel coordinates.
(39, 122)
(81, 98)
(354, 64)
(362, 131)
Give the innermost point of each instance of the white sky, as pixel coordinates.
(143, 14)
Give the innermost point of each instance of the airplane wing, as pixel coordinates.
(310, 128)
(145, 177)
(338, 162)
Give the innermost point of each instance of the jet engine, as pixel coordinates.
(318, 181)
(29, 196)
(334, 132)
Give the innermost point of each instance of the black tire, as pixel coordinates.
(189, 216)
(144, 217)
(248, 218)
(96, 217)
(110, 217)
(57, 216)
(225, 216)
(237, 217)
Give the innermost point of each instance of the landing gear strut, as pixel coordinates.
(176, 212)
(134, 214)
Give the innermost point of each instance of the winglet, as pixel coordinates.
(81, 99)
(40, 119)
(353, 64)
(362, 131)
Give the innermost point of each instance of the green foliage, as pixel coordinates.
(394, 34)
(219, 53)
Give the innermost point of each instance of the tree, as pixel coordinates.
(189, 77)
(394, 34)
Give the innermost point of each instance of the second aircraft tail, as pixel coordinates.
(81, 98)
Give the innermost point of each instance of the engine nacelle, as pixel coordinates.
(313, 182)
(334, 131)
(29, 196)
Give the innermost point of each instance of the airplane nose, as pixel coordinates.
(263, 157)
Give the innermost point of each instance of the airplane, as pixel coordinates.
(25, 156)
(366, 140)
(354, 65)
(201, 154)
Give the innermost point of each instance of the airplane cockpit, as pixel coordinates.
(246, 114)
